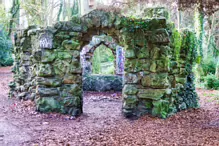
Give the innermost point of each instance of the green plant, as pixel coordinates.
(211, 82)
(96, 62)
(103, 61)
(5, 49)
(209, 66)
(109, 70)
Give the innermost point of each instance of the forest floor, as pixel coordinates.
(103, 124)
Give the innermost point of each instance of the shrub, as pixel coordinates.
(5, 49)
(209, 66)
(211, 82)
(7, 61)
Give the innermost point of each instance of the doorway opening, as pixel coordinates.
(103, 61)
(103, 65)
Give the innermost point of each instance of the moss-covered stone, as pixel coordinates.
(102, 83)
(131, 78)
(143, 65)
(45, 70)
(130, 99)
(72, 79)
(64, 55)
(71, 45)
(156, 80)
(72, 101)
(130, 90)
(48, 104)
(154, 94)
(180, 80)
(155, 53)
(48, 56)
(162, 65)
(130, 53)
(153, 66)
(143, 53)
(50, 82)
(46, 92)
(61, 66)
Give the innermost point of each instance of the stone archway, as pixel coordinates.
(88, 51)
(102, 82)
(158, 79)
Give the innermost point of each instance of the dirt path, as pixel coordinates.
(103, 124)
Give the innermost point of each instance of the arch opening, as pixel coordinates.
(102, 52)
(103, 61)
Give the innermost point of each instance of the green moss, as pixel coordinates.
(176, 42)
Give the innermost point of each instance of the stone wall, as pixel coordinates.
(102, 83)
(158, 79)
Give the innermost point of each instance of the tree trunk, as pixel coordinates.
(14, 16)
(217, 69)
(211, 26)
(60, 10)
(75, 8)
(199, 27)
(179, 19)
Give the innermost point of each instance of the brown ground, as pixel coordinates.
(103, 124)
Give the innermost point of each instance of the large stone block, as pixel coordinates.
(45, 70)
(156, 80)
(153, 66)
(46, 92)
(69, 90)
(143, 65)
(135, 65)
(61, 66)
(131, 65)
(130, 102)
(71, 45)
(130, 99)
(102, 83)
(155, 53)
(48, 56)
(130, 89)
(154, 94)
(129, 53)
(48, 104)
(73, 101)
(50, 82)
(72, 79)
(64, 55)
(131, 78)
(181, 80)
(62, 35)
(143, 53)
(162, 65)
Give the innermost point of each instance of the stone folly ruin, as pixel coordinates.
(158, 76)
